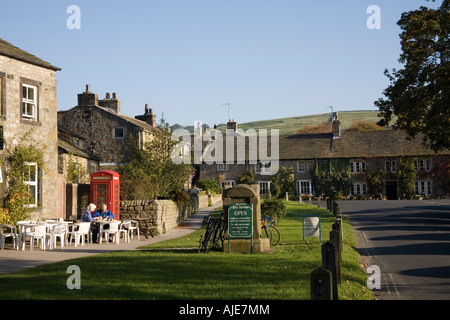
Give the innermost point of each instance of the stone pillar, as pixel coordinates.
(247, 194)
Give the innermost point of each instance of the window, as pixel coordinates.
(304, 187)
(263, 168)
(31, 180)
(29, 101)
(358, 167)
(422, 164)
(227, 183)
(264, 187)
(305, 165)
(422, 187)
(358, 188)
(391, 166)
(222, 167)
(119, 133)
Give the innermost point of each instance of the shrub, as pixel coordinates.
(273, 207)
(210, 185)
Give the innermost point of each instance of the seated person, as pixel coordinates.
(103, 212)
(87, 217)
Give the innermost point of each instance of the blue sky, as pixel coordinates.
(186, 58)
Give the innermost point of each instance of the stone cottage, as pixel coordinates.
(364, 151)
(28, 102)
(104, 129)
(74, 162)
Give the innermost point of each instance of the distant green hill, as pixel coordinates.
(292, 124)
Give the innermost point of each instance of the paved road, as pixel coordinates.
(409, 240)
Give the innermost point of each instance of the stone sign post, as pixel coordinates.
(237, 202)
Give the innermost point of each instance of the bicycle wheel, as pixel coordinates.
(276, 236)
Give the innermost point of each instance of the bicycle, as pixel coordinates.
(268, 230)
(213, 234)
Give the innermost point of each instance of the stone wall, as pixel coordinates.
(164, 214)
(15, 74)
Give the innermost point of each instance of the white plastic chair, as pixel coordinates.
(59, 231)
(125, 229)
(113, 230)
(134, 227)
(83, 230)
(39, 234)
(25, 231)
(11, 234)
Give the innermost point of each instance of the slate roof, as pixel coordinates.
(7, 49)
(351, 144)
(66, 147)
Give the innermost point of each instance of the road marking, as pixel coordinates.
(393, 283)
(387, 285)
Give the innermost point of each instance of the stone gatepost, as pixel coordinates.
(244, 193)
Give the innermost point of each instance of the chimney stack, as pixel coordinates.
(148, 116)
(232, 124)
(87, 98)
(111, 104)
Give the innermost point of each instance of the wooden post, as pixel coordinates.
(334, 238)
(329, 263)
(321, 287)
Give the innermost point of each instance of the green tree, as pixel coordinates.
(418, 94)
(283, 181)
(248, 177)
(375, 182)
(407, 177)
(210, 185)
(332, 178)
(149, 173)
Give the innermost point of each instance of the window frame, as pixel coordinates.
(300, 187)
(226, 183)
(264, 190)
(26, 100)
(123, 133)
(34, 183)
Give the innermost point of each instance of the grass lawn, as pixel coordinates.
(171, 270)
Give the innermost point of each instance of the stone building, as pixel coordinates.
(28, 102)
(104, 129)
(74, 162)
(364, 151)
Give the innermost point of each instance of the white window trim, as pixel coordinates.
(263, 169)
(33, 183)
(299, 187)
(222, 167)
(358, 167)
(358, 188)
(27, 100)
(265, 190)
(226, 183)
(423, 187)
(114, 132)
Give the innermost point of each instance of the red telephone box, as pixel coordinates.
(105, 188)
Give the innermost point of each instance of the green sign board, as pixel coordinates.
(240, 221)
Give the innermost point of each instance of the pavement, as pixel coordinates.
(12, 260)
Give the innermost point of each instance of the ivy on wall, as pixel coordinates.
(18, 200)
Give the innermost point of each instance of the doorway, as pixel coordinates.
(391, 190)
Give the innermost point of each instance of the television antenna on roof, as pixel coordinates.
(227, 104)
